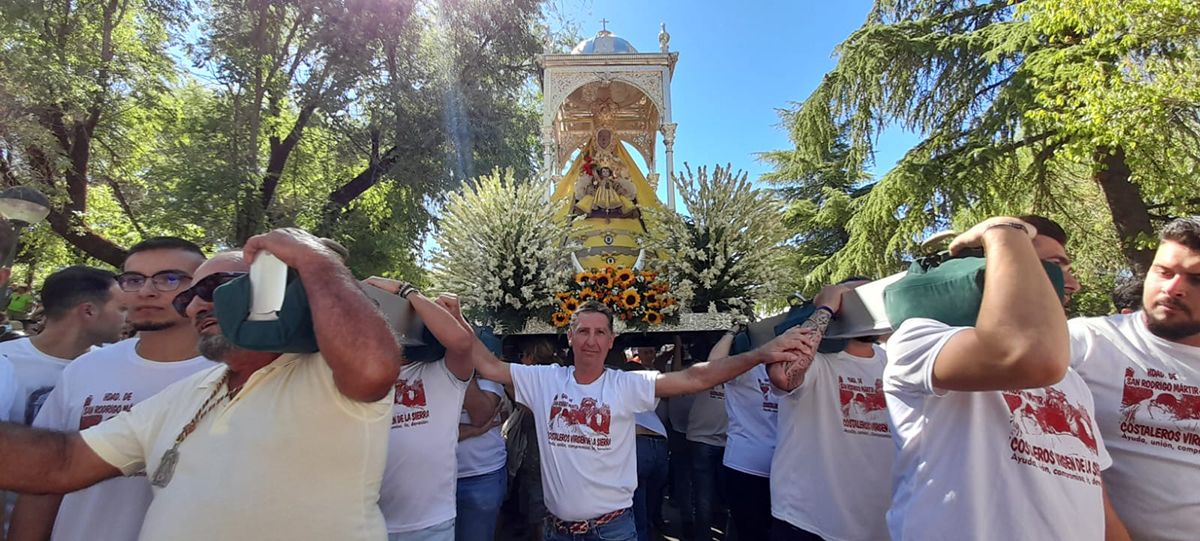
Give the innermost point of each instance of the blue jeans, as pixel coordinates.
(652, 478)
(479, 498)
(708, 486)
(621, 529)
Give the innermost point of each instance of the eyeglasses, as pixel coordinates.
(165, 281)
(203, 289)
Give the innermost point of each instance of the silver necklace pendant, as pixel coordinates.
(166, 468)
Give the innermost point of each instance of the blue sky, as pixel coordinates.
(739, 62)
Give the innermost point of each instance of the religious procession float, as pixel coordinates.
(524, 253)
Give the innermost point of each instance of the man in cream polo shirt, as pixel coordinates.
(266, 446)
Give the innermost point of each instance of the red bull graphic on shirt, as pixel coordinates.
(769, 403)
(583, 425)
(1159, 409)
(411, 408)
(1051, 433)
(96, 410)
(864, 410)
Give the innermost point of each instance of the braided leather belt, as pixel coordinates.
(584, 526)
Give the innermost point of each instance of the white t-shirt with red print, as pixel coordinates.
(1147, 392)
(1000, 465)
(484, 453)
(422, 468)
(750, 434)
(585, 435)
(93, 388)
(833, 434)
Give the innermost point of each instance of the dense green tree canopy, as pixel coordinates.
(219, 119)
(1080, 109)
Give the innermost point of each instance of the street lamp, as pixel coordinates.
(22, 206)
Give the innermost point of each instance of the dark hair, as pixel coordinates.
(1127, 295)
(592, 307)
(73, 286)
(164, 243)
(1185, 231)
(1046, 227)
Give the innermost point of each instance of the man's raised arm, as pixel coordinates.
(487, 366)
(789, 346)
(353, 336)
(1020, 337)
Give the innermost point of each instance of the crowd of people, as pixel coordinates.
(1022, 426)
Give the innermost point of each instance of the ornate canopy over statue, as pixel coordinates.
(597, 99)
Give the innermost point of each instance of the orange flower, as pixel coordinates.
(653, 318)
(581, 277)
(587, 294)
(560, 319)
(603, 281)
(651, 298)
(562, 296)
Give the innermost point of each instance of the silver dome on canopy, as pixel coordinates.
(605, 42)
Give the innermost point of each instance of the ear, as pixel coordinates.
(87, 309)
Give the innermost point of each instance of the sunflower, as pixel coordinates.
(560, 319)
(624, 277)
(609, 271)
(630, 299)
(587, 294)
(660, 287)
(562, 296)
(649, 276)
(651, 298)
(582, 277)
(570, 305)
(653, 318)
(603, 281)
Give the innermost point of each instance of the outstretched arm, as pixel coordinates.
(487, 366)
(35, 461)
(789, 346)
(366, 361)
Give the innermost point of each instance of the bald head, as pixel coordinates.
(232, 261)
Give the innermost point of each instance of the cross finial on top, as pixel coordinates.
(604, 25)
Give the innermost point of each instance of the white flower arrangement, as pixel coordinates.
(726, 254)
(502, 249)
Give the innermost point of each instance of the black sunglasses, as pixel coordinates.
(203, 289)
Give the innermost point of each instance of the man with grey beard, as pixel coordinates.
(98, 385)
(265, 446)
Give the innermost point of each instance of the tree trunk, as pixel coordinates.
(1129, 213)
(355, 187)
(78, 235)
(276, 161)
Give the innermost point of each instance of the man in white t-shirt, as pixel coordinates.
(83, 308)
(105, 382)
(1144, 371)
(482, 463)
(751, 409)
(266, 445)
(707, 422)
(833, 462)
(418, 491)
(995, 434)
(585, 420)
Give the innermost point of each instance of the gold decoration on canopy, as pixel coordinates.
(607, 187)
